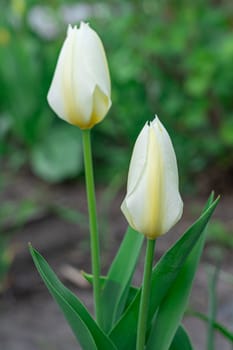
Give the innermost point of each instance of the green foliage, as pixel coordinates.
(59, 155)
(164, 274)
(27, 61)
(181, 340)
(117, 284)
(84, 327)
(183, 282)
(174, 59)
(14, 215)
(219, 233)
(174, 304)
(170, 58)
(174, 272)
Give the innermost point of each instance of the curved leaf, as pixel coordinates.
(117, 283)
(173, 306)
(84, 327)
(181, 340)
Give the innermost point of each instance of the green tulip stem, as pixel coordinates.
(94, 236)
(145, 295)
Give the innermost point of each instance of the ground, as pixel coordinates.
(29, 318)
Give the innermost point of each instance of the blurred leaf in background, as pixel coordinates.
(59, 155)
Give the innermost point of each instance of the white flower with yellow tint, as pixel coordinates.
(153, 204)
(80, 90)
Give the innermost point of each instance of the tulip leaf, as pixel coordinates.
(181, 340)
(116, 287)
(163, 276)
(209, 201)
(87, 332)
(131, 293)
(173, 306)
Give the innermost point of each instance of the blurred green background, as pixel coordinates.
(171, 58)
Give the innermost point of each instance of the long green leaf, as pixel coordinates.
(163, 276)
(181, 341)
(209, 201)
(116, 287)
(173, 306)
(84, 327)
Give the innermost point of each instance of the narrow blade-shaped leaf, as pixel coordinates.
(116, 287)
(163, 275)
(173, 306)
(84, 327)
(210, 200)
(181, 340)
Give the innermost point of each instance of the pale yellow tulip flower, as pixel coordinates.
(80, 92)
(153, 204)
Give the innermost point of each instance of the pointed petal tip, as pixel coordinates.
(84, 25)
(156, 119)
(153, 121)
(69, 29)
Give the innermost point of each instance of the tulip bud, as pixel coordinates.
(80, 89)
(153, 204)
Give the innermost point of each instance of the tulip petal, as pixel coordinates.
(90, 98)
(55, 95)
(92, 44)
(138, 159)
(142, 203)
(153, 204)
(101, 105)
(137, 165)
(172, 202)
